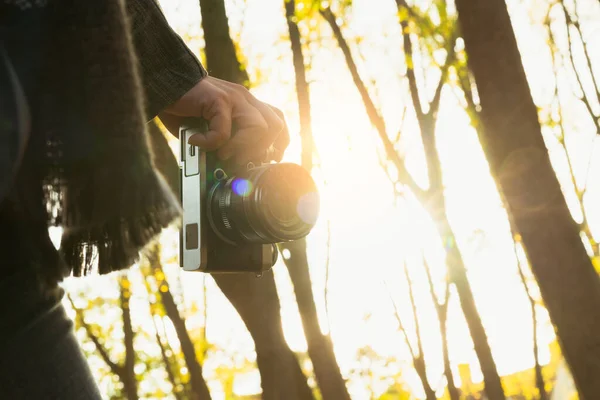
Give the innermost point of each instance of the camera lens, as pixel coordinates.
(268, 204)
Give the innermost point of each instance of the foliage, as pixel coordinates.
(433, 73)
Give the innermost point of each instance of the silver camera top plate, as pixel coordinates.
(193, 170)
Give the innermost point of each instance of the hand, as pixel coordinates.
(261, 133)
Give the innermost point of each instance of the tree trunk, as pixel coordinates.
(221, 58)
(419, 357)
(129, 379)
(167, 362)
(320, 349)
(519, 161)
(458, 276)
(452, 389)
(197, 382)
(442, 314)
(539, 377)
(433, 201)
(256, 300)
(302, 90)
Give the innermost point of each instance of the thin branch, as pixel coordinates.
(165, 358)
(427, 121)
(432, 294)
(538, 369)
(588, 59)
(584, 97)
(442, 313)
(128, 333)
(163, 349)
(467, 89)
(580, 193)
(419, 362)
(450, 57)
(400, 324)
(415, 314)
(115, 368)
(373, 114)
(410, 71)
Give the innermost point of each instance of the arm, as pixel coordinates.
(175, 88)
(167, 67)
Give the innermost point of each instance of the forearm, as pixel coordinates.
(167, 67)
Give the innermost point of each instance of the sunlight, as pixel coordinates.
(373, 238)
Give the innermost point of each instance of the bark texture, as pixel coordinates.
(255, 299)
(519, 161)
(432, 198)
(320, 348)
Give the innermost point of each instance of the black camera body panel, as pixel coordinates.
(201, 249)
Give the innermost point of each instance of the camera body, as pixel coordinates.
(232, 215)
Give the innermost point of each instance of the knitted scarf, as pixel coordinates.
(101, 185)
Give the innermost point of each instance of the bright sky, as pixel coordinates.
(371, 234)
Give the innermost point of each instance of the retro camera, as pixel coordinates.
(233, 216)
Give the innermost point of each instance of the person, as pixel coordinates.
(79, 81)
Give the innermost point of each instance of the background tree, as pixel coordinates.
(519, 161)
(199, 388)
(256, 300)
(565, 64)
(171, 366)
(539, 377)
(433, 198)
(320, 348)
(408, 61)
(123, 370)
(417, 355)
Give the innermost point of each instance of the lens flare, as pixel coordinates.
(241, 187)
(308, 207)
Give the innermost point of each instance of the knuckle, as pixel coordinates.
(261, 123)
(240, 88)
(278, 112)
(222, 98)
(278, 125)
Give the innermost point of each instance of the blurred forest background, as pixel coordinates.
(417, 282)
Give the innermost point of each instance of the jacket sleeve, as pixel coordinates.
(167, 67)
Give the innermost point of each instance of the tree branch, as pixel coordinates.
(413, 355)
(467, 89)
(450, 57)
(580, 193)
(373, 114)
(584, 97)
(115, 368)
(586, 52)
(415, 314)
(125, 294)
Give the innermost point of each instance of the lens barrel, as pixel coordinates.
(267, 204)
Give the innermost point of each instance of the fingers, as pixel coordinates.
(283, 139)
(250, 128)
(218, 115)
(259, 126)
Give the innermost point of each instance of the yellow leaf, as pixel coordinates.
(596, 263)
(403, 14)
